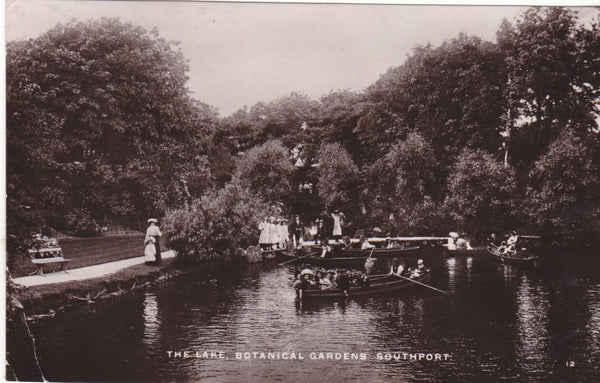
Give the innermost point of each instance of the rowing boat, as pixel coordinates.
(518, 258)
(380, 253)
(315, 258)
(379, 285)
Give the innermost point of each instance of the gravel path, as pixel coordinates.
(87, 272)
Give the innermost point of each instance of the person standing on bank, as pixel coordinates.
(297, 230)
(153, 231)
(338, 221)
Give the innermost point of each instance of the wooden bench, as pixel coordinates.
(45, 256)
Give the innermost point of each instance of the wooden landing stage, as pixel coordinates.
(375, 240)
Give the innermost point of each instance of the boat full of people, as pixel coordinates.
(378, 285)
(340, 283)
(516, 257)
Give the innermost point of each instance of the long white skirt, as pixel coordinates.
(150, 252)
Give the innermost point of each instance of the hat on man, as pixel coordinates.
(153, 220)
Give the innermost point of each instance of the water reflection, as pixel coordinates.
(451, 267)
(500, 323)
(151, 321)
(469, 268)
(532, 326)
(593, 323)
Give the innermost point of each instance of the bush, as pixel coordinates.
(79, 222)
(216, 225)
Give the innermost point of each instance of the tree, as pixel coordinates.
(266, 170)
(552, 79)
(217, 225)
(451, 95)
(338, 178)
(100, 126)
(481, 193)
(403, 182)
(564, 190)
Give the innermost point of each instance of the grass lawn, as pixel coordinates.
(88, 251)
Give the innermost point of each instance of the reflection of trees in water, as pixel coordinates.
(459, 272)
(451, 267)
(593, 324)
(532, 343)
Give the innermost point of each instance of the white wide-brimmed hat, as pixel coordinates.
(153, 220)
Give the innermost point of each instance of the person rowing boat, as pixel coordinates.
(397, 268)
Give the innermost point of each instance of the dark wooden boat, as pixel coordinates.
(379, 285)
(380, 253)
(519, 258)
(314, 258)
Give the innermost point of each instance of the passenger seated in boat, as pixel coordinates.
(325, 248)
(370, 264)
(343, 281)
(347, 243)
(315, 281)
(363, 281)
(332, 277)
(325, 281)
(303, 282)
(502, 249)
(389, 244)
(364, 243)
(511, 243)
(419, 270)
(492, 239)
(397, 268)
(463, 244)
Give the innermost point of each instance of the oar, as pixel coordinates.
(422, 284)
(371, 253)
(378, 276)
(296, 259)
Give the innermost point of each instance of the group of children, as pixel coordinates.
(274, 233)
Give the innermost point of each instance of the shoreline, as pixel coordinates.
(42, 301)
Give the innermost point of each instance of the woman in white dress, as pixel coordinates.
(153, 234)
(338, 222)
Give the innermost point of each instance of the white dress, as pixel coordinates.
(150, 251)
(263, 232)
(284, 235)
(337, 223)
(272, 234)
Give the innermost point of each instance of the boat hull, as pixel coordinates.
(350, 262)
(381, 253)
(388, 286)
(525, 260)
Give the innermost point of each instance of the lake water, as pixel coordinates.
(501, 323)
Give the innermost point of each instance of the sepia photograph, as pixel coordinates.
(204, 191)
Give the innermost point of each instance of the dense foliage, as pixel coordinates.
(100, 128)
(471, 135)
